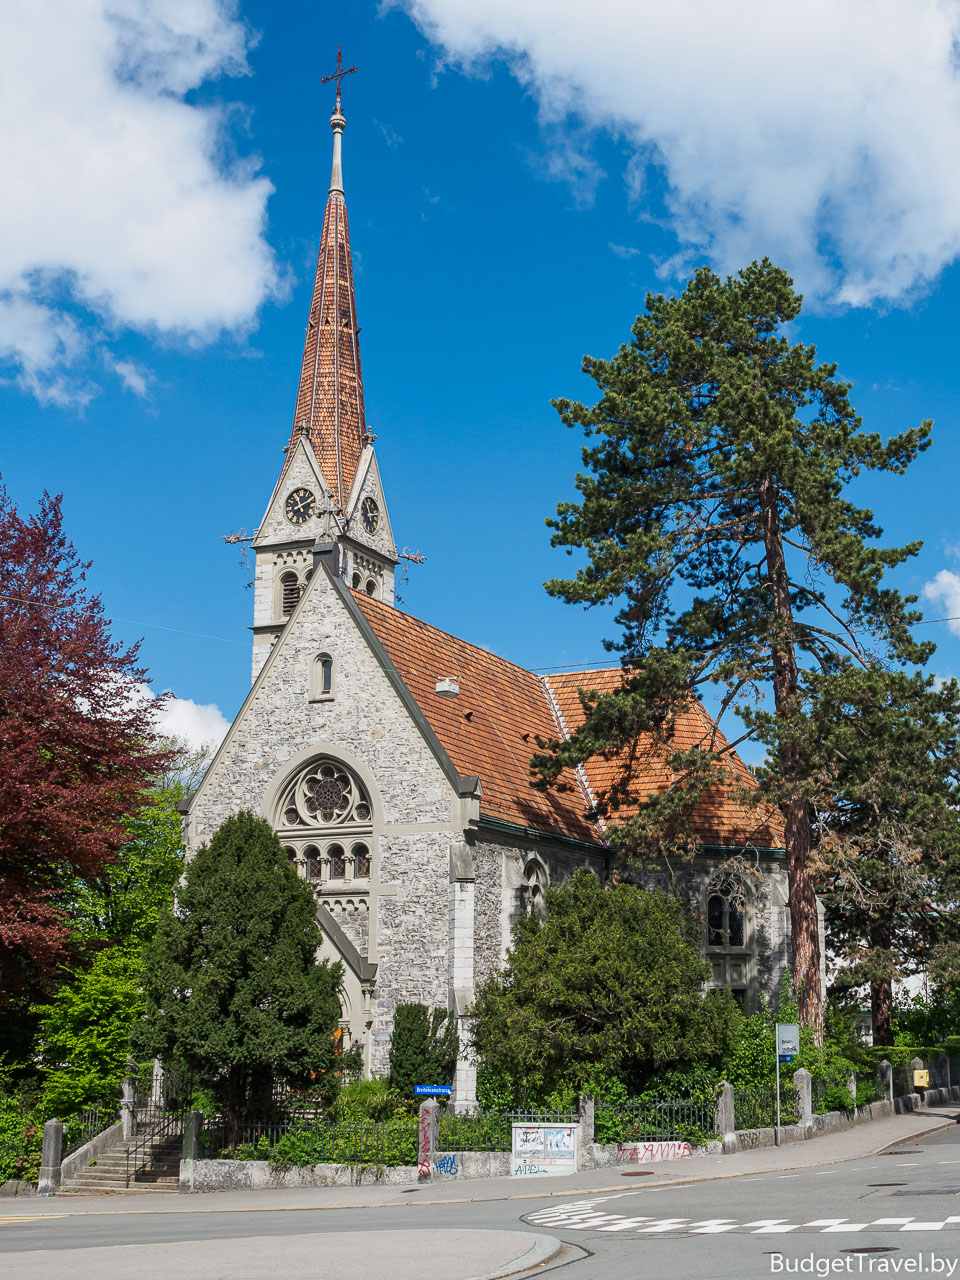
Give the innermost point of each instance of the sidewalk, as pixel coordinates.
(832, 1148)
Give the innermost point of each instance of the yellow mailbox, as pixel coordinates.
(921, 1079)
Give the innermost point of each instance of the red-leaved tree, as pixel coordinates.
(76, 740)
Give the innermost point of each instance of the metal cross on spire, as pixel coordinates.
(339, 73)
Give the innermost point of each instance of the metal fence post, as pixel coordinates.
(50, 1158)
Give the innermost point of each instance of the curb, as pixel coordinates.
(544, 1249)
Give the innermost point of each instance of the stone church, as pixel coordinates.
(392, 758)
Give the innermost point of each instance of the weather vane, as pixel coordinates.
(339, 73)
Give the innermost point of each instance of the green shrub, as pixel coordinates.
(21, 1140)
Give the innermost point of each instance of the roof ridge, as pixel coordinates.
(579, 771)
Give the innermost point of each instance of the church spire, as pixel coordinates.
(329, 410)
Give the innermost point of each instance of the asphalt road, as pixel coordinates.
(891, 1214)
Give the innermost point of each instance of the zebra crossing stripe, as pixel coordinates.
(923, 1226)
(713, 1226)
(625, 1225)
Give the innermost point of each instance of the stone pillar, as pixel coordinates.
(462, 967)
(803, 1083)
(427, 1138)
(50, 1158)
(192, 1126)
(852, 1086)
(587, 1110)
(128, 1108)
(156, 1083)
(885, 1078)
(940, 1072)
(723, 1119)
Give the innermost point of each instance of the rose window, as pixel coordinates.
(325, 794)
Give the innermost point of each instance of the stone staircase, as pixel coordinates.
(107, 1174)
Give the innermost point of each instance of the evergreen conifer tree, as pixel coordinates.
(423, 1048)
(236, 999)
(883, 748)
(714, 513)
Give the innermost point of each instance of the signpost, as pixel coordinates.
(433, 1090)
(788, 1044)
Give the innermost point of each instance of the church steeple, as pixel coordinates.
(329, 490)
(329, 406)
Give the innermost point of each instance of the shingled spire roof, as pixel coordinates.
(330, 396)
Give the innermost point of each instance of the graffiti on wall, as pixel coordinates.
(645, 1152)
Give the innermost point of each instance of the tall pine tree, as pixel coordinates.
(883, 749)
(713, 512)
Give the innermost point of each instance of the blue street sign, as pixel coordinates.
(433, 1090)
(786, 1057)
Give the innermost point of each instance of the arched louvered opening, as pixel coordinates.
(289, 593)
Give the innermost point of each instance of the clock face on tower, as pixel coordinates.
(370, 515)
(299, 506)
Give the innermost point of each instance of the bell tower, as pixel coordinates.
(329, 488)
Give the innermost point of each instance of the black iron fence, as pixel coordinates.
(300, 1141)
(491, 1130)
(756, 1107)
(80, 1129)
(656, 1120)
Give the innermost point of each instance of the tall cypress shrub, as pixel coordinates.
(236, 998)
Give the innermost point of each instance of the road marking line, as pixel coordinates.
(847, 1226)
(890, 1222)
(624, 1224)
(666, 1224)
(789, 1175)
(907, 1164)
(833, 1222)
(923, 1226)
(773, 1231)
(713, 1226)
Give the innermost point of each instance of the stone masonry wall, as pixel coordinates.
(368, 723)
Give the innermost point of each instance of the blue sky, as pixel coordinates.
(516, 183)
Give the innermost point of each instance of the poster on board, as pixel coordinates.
(544, 1149)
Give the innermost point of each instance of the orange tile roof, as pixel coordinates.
(718, 819)
(490, 730)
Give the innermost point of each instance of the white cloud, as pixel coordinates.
(944, 590)
(198, 723)
(118, 208)
(133, 376)
(822, 134)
